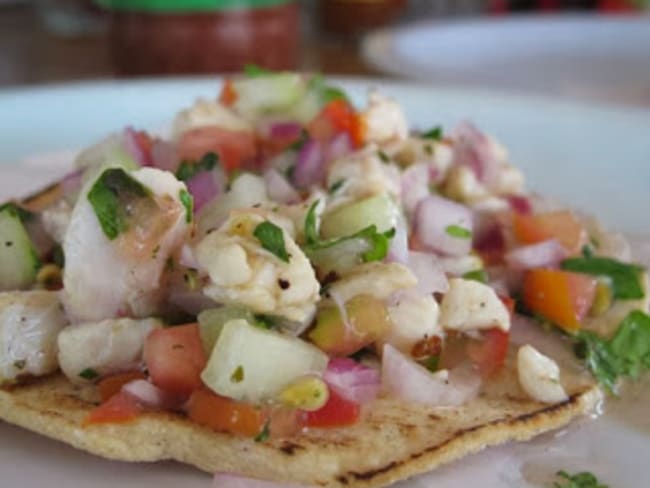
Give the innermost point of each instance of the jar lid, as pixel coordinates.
(187, 5)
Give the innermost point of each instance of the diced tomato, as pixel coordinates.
(489, 353)
(175, 358)
(111, 385)
(224, 414)
(509, 302)
(560, 225)
(490, 244)
(120, 408)
(338, 116)
(562, 297)
(235, 148)
(228, 95)
(337, 412)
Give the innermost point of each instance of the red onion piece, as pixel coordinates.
(520, 204)
(436, 218)
(429, 272)
(279, 189)
(151, 396)
(164, 156)
(474, 149)
(310, 166)
(204, 186)
(352, 380)
(415, 186)
(285, 130)
(71, 182)
(135, 149)
(541, 255)
(339, 147)
(227, 480)
(407, 380)
(398, 252)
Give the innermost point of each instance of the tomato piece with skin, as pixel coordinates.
(118, 409)
(235, 148)
(225, 414)
(338, 116)
(489, 353)
(112, 385)
(561, 225)
(562, 297)
(337, 412)
(175, 359)
(228, 95)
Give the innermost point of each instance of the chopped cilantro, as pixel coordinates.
(237, 375)
(587, 251)
(336, 186)
(263, 321)
(297, 146)
(479, 275)
(89, 374)
(379, 242)
(435, 133)
(254, 71)
(111, 196)
(579, 480)
(188, 202)
(458, 232)
(327, 93)
(265, 433)
(624, 277)
(189, 169)
(625, 354)
(383, 156)
(431, 363)
(272, 239)
(20, 364)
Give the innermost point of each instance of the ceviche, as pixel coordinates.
(283, 260)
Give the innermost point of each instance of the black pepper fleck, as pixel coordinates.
(284, 284)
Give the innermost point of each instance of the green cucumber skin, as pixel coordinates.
(19, 261)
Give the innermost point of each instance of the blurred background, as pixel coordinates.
(594, 49)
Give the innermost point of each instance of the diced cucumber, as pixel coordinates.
(252, 364)
(212, 320)
(108, 153)
(379, 210)
(18, 259)
(307, 108)
(339, 258)
(271, 93)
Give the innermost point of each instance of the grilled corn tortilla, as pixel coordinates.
(393, 440)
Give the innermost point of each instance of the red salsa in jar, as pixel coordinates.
(202, 36)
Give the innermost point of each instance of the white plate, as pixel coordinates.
(589, 57)
(597, 158)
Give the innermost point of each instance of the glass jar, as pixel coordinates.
(202, 36)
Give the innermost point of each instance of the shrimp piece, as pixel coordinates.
(106, 278)
(242, 271)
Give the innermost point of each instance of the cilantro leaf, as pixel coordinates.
(336, 186)
(272, 239)
(89, 374)
(254, 71)
(625, 280)
(625, 354)
(188, 202)
(265, 433)
(189, 169)
(579, 480)
(327, 93)
(379, 242)
(479, 275)
(111, 196)
(458, 232)
(435, 133)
